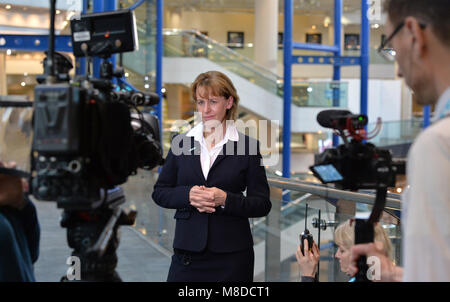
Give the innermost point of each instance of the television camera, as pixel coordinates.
(89, 136)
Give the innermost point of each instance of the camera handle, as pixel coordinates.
(364, 231)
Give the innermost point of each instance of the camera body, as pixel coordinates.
(362, 166)
(356, 164)
(89, 134)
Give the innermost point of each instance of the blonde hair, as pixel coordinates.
(217, 84)
(345, 236)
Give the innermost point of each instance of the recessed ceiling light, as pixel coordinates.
(8, 6)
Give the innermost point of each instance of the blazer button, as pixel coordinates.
(186, 261)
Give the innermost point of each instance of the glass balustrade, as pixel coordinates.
(396, 132)
(276, 236)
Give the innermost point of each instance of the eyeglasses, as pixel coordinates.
(385, 50)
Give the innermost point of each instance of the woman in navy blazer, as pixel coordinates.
(204, 178)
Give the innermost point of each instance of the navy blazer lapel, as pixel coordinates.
(195, 158)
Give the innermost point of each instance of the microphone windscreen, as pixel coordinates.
(325, 118)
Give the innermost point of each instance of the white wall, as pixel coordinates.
(384, 99)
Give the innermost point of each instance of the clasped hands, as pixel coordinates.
(205, 200)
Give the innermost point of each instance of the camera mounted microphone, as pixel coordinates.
(341, 119)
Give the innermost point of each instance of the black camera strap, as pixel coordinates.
(364, 231)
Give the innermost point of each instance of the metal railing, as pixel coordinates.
(276, 236)
(392, 202)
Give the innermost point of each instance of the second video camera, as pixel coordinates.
(354, 165)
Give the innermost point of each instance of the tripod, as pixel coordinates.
(93, 236)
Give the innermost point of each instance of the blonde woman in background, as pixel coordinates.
(344, 239)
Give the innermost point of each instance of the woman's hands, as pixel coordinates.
(308, 262)
(206, 199)
(12, 188)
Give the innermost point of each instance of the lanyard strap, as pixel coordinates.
(446, 110)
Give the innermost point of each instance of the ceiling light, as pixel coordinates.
(8, 52)
(8, 6)
(23, 84)
(58, 11)
(313, 27)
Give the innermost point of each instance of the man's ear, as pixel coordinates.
(418, 39)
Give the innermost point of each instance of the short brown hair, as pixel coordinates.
(435, 13)
(217, 84)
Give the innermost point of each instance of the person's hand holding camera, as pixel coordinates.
(12, 188)
(308, 263)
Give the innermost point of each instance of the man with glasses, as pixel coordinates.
(419, 41)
